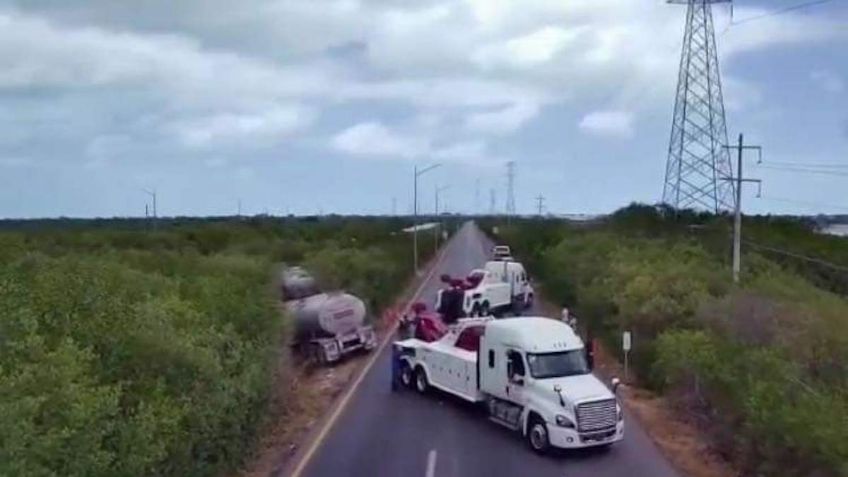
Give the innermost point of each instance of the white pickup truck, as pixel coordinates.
(531, 373)
(498, 287)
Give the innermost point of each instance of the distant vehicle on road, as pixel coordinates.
(531, 373)
(501, 252)
(498, 287)
(328, 325)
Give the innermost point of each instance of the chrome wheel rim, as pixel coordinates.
(406, 376)
(538, 435)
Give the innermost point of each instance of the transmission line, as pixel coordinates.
(778, 12)
(804, 170)
(818, 261)
(802, 202)
(829, 165)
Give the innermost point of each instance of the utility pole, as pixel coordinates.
(510, 190)
(238, 212)
(540, 204)
(153, 195)
(492, 201)
(737, 220)
(417, 173)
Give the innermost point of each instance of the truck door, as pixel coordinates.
(515, 377)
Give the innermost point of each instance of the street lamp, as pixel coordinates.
(418, 173)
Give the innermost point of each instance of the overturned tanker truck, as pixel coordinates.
(328, 325)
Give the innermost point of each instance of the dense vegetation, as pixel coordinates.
(133, 352)
(764, 364)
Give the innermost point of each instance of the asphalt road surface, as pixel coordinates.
(384, 433)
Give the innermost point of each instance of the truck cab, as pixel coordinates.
(537, 380)
(515, 276)
(531, 373)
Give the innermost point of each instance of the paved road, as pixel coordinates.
(384, 433)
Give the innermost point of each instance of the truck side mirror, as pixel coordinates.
(590, 354)
(615, 384)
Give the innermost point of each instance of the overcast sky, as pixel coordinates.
(304, 106)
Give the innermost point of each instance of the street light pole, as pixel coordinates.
(417, 174)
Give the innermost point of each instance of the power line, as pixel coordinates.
(802, 202)
(778, 12)
(818, 261)
(804, 170)
(828, 165)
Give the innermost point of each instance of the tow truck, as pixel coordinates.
(498, 287)
(531, 374)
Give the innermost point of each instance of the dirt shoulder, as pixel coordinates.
(679, 439)
(303, 396)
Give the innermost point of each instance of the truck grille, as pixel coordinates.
(596, 415)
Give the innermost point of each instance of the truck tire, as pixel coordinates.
(529, 303)
(537, 435)
(484, 309)
(317, 355)
(407, 377)
(422, 385)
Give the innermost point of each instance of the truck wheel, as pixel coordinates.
(317, 354)
(484, 309)
(537, 435)
(529, 303)
(421, 383)
(406, 375)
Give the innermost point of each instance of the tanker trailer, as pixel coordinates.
(328, 325)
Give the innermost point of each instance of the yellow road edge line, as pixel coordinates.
(298, 470)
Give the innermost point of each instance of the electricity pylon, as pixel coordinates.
(698, 162)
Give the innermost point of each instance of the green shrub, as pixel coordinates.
(125, 352)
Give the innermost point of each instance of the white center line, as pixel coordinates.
(431, 464)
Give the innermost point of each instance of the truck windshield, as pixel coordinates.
(557, 365)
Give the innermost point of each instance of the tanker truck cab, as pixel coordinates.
(530, 373)
(536, 380)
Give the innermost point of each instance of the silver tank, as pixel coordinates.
(318, 314)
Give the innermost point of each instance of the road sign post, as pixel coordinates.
(626, 345)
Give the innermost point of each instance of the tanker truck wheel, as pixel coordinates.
(316, 354)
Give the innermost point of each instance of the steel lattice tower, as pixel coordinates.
(698, 162)
(510, 188)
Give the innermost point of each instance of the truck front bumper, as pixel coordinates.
(567, 438)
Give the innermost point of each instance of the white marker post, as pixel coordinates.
(626, 345)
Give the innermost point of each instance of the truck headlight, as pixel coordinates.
(563, 421)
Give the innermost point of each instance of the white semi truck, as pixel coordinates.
(531, 373)
(498, 287)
